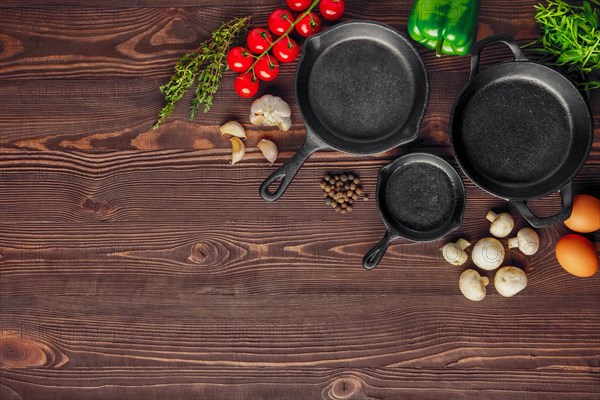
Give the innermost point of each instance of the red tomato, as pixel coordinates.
(332, 10)
(267, 68)
(309, 25)
(259, 39)
(280, 21)
(246, 85)
(286, 50)
(239, 59)
(298, 5)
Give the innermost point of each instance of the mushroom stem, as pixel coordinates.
(513, 243)
(462, 244)
(491, 216)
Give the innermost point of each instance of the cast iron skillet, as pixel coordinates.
(362, 89)
(520, 131)
(420, 197)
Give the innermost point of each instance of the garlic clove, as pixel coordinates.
(285, 124)
(233, 128)
(268, 149)
(238, 150)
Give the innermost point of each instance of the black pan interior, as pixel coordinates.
(362, 88)
(520, 130)
(422, 197)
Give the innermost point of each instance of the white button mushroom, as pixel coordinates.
(527, 241)
(455, 253)
(472, 285)
(488, 254)
(510, 281)
(502, 224)
(271, 110)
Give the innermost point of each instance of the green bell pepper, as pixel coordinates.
(446, 26)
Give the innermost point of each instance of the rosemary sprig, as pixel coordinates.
(570, 38)
(206, 64)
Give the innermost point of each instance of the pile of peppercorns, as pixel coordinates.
(341, 191)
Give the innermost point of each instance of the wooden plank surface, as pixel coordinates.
(136, 263)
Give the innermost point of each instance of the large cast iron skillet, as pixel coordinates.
(362, 89)
(521, 130)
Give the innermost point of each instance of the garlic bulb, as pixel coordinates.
(233, 128)
(238, 150)
(268, 149)
(271, 110)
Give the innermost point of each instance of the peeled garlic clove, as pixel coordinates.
(233, 128)
(238, 150)
(268, 149)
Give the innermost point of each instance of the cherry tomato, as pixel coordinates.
(239, 59)
(309, 25)
(280, 21)
(332, 10)
(259, 39)
(298, 5)
(246, 85)
(267, 68)
(286, 50)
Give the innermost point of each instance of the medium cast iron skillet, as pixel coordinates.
(520, 131)
(362, 89)
(420, 197)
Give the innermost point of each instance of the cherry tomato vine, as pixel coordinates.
(260, 42)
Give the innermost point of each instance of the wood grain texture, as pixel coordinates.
(136, 263)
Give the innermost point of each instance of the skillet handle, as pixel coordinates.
(499, 38)
(566, 194)
(288, 171)
(374, 256)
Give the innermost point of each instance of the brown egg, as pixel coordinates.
(585, 217)
(577, 255)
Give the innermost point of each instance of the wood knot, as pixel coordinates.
(203, 253)
(17, 351)
(96, 207)
(345, 388)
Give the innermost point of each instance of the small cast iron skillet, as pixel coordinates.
(520, 131)
(362, 89)
(420, 197)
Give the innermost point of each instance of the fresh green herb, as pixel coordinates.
(206, 65)
(570, 38)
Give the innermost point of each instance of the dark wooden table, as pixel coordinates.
(136, 263)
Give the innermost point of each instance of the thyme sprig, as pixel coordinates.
(570, 38)
(204, 65)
